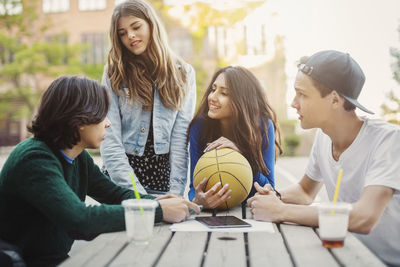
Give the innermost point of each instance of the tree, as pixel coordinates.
(27, 57)
(198, 17)
(392, 110)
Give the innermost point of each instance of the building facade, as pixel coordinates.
(250, 42)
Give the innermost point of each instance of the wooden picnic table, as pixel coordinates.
(289, 245)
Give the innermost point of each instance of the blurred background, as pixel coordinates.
(42, 39)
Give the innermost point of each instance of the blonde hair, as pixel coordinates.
(126, 69)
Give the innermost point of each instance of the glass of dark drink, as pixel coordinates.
(333, 220)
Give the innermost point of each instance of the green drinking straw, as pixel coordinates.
(136, 191)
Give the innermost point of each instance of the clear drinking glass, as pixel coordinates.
(139, 219)
(333, 220)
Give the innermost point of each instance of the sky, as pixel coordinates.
(366, 29)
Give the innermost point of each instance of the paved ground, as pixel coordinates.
(290, 170)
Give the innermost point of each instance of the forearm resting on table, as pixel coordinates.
(367, 211)
(302, 193)
(363, 217)
(300, 214)
(295, 194)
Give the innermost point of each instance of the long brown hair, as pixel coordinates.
(251, 112)
(126, 69)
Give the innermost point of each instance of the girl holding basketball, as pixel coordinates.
(234, 113)
(153, 96)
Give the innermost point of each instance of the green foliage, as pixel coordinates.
(287, 127)
(392, 110)
(290, 144)
(9, 19)
(290, 139)
(26, 58)
(202, 16)
(93, 71)
(396, 65)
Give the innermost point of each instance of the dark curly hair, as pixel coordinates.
(68, 103)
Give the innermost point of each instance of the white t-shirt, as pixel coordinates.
(372, 159)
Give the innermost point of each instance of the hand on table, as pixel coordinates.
(176, 209)
(265, 190)
(166, 196)
(265, 205)
(213, 197)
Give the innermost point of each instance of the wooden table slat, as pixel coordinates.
(290, 245)
(267, 249)
(306, 247)
(218, 255)
(99, 252)
(355, 254)
(144, 255)
(177, 252)
(236, 211)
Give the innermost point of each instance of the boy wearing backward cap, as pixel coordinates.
(327, 86)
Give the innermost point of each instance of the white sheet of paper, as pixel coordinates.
(192, 225)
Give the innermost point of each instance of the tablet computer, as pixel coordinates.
(222, 221)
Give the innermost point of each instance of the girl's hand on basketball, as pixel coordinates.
(213, 197)
(221, 142)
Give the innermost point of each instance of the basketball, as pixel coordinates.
(228, 167)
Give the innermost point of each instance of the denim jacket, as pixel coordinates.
(130, 127)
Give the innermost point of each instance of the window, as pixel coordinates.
(7, 51)
(57, 39)
(220, 40)
(10, 7)
(255, 39)
(54, 6)
(92, 4)
(95, 48)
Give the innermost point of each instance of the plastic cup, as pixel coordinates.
(333, 220)
(139, 219)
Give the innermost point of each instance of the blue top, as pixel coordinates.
(268, 155)
(68, 159)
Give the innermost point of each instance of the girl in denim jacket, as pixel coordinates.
(234, 113)
(153, 96)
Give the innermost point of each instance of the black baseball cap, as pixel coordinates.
(337, 71)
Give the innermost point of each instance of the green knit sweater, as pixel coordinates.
(42, 208)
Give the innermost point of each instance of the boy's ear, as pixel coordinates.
(335, 97)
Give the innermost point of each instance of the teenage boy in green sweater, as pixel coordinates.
(45, 180)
